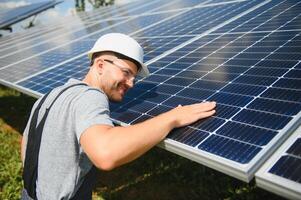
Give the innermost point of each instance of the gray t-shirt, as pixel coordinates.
(62, 162)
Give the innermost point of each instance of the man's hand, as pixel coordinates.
(185, 115)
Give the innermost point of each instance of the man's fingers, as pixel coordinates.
(207, 114)
(185, 115)
(207, 106)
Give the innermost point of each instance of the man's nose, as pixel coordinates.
(130, 82)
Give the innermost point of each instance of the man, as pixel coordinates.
(78, 132)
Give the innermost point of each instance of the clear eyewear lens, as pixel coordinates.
(128, 74)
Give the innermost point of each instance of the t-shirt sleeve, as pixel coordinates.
(92, 108)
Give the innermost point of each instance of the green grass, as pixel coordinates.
(156, 175)
(10, 167)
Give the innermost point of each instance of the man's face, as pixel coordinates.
(117, 77)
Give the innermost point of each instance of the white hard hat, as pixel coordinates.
(122, 44)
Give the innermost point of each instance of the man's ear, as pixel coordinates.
(99, 64)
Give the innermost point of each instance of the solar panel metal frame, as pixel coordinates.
(276, 184)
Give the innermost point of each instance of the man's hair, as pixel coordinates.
(118, 55)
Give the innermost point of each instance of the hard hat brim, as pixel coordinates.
(143, 71)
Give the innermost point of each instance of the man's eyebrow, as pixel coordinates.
(131, 71)
(130, 68)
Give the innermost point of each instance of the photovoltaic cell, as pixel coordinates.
(283, 94)
(167, 89)
(195, 93)
(262, 119)
(263, 71)
(231, 99)
(230, 149)
(176, 100)
(188, 136)
(225, 111)
(250, 90)
(275, 106)
(158, 110)
(246, 133)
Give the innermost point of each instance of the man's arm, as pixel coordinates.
(109, 147)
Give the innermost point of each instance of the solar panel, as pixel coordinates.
(239, 70)
(12, 71)
(27, 68)
(281, 174)
(243, 54)
(74, 29)
(14, 15)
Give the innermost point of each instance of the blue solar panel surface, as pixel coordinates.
(245, 55)
(244, 72)
(14, 15)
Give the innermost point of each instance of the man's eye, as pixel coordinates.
(127, 73)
